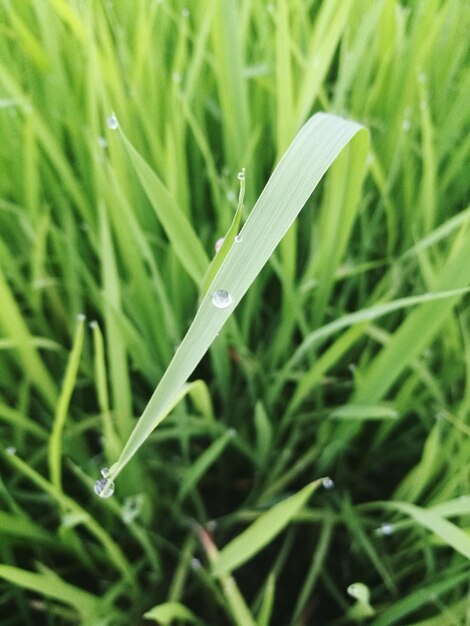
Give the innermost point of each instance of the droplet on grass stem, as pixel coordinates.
(218, 244)
(241, 174)
(104, 487)
(327, 483)
(238, 238)
(386, 529)
(112, 121)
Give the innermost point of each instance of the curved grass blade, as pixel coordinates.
(297, 174)
(261, 532)
(50, 585)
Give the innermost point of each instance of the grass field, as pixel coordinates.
(313, 468)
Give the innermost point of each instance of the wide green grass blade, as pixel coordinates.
(261, 532)
(52, 586)
(309, 156)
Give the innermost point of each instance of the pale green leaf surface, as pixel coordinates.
(299, 171)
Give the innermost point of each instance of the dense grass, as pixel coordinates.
(349, 356)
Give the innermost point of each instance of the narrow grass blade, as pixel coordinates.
(265, 613)
(203, 463)
(261, 532)
(182, 237)
(416, 599)
(299, 171)
(14, 326)
(450, 534)
(228, 239)
(70, 378)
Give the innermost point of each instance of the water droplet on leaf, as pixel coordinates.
(221, 299)
(238, 238)
(386, 529)
(327, 483)
(104, 488)
(218, 244)
(112, 122)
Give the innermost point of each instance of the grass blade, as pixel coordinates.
(309, 156)
(261, 532)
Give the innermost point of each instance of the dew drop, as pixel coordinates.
(105, 472)
(81, 317)
(221, 299)
(387, 529)
(132, 508)
(195, 564)
(185, 12)
(241, 175)
(238, 238)
(93, 324)
(104, 488)
(211, 525)
(112, 122)
(218, 244)
(102, 143)
(11, 451)
(327, 483)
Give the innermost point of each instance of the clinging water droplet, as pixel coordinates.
(387, 529)
(218, 244)
(104, 488)
(327, 483)
(241, 175)
(11, 451)
(221, 299)
(112, 121)
(238, 238)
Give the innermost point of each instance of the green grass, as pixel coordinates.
(349, 355)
